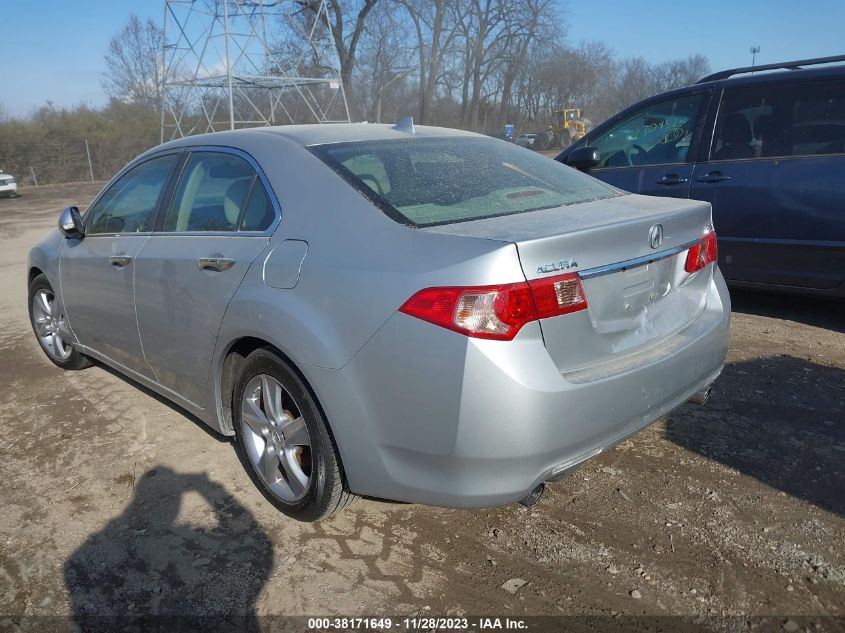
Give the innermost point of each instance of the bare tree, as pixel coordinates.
(531, 23)
(385, 62)
(436, 29)
(680, 72)
(134, 65)
(346, 22)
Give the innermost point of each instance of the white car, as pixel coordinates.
(526, 140)
(8, 185)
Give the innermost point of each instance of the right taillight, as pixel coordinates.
(558, 295)
(703, 253)
(497, 312)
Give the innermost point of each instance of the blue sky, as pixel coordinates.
(53, 49)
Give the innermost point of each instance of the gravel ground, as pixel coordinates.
(114, 502)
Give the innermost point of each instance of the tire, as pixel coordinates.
(50, 326)
(565, 139)
(280, 440)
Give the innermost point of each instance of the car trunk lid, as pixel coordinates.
(637, 289)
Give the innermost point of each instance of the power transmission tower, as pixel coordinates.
(230, 64)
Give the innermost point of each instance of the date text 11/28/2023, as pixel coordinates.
(423, 623)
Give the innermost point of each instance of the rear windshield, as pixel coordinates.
(424, 182)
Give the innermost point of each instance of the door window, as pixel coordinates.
(797, 119)
(129, 204)
(658, 134)
(218, 192)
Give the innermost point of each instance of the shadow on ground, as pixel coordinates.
(817, 311)
(200, 571)
(779, 419)
(165, 401)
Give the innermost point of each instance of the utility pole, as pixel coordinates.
(754, 50)
(90, 166)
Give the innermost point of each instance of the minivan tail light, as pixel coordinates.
(497, 312)
(703, 253)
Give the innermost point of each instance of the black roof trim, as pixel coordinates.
(795, 65)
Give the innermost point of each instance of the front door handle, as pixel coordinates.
(119, 261)
(215, 263)
(672, 179)
(713, 176)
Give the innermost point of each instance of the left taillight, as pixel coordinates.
(497, 312)
(703, 253)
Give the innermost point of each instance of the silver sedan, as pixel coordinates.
(417, 314)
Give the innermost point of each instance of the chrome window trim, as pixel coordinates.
(598, 271)
(268, 189)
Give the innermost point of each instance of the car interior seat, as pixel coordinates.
(736, 138)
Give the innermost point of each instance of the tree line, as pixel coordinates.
(471, 64)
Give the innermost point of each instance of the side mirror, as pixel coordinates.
(584, 158)
(70, 224)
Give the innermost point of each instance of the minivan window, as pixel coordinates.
(658, 134)
(428, 181)
(128, 205)
(216, 192)
(777, 120)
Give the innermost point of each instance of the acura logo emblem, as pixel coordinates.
(655, 235)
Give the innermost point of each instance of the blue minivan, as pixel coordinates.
(766, 146)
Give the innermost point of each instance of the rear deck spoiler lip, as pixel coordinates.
(608, 269)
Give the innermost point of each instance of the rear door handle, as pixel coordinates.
(215, 263)
(119, 261)
(672, 179)
(713, 176)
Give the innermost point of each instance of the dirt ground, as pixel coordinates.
(113, 502)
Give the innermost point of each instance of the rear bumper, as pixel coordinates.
(425, 415)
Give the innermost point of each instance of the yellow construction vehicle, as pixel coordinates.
(568, 126)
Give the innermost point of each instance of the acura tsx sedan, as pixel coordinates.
(416, 314)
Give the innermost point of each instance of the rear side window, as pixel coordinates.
(777, 120)
(423, 182)
(129, 204)
(218, 192)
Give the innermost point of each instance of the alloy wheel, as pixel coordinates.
(276, 438)
(50, 325)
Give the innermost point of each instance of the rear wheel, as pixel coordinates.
(284, 442)
(50, 326)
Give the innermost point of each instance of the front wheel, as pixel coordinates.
(565, 139)
(50, 326)
(284, 442)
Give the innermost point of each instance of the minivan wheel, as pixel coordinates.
(50, 326)
(284, 442)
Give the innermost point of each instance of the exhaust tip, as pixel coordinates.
(533, 497)
(702, 396)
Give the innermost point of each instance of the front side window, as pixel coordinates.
(799, 119)
(129, 204)
(218, 192)
(428, 181)
(659, 134)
